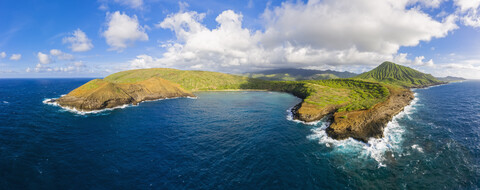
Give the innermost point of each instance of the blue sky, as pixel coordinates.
(40, 38)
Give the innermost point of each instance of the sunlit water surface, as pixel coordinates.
(231, 140)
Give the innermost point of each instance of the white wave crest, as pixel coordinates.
(5, 102)
(52, 102)
(376, 149)
(417, 147)
(290, 118)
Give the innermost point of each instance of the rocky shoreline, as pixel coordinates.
(111, 95)
(362, 124)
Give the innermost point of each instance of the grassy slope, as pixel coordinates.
(349, 94)
(189, 80)
(391, 73)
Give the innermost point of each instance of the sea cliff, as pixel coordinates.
(100, 94)
(358, 108)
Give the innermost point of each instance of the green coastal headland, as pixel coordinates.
(358, 107)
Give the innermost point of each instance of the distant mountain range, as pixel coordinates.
(293, 74)
(451, 79)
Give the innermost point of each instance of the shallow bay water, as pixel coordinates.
(231, 140)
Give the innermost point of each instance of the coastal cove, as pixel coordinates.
(208, 142)
(359, 107)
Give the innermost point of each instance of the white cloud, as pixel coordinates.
(79, 42)
(373, 26)
(3, 55)
(328, 33)
(466, 5)
(123, 31)
(135, 4)
(61, 55)
(427, 3)
(16, 57)
(43, 58)
(469, 12)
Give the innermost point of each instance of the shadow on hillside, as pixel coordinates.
(297, 88)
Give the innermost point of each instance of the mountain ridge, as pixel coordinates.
(391, 73)
(294, 74)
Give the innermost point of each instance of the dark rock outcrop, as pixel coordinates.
(364, 124)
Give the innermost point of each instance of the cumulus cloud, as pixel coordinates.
(79, 41)
(123, 31)
(370, 26)
(61, 55)
(427, 3)
(3, 55)
(419, 61)
(337, 33)
(43, 58)
(16, 57)
(469, 11)
(466, 5)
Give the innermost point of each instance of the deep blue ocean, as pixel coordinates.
(231, 140)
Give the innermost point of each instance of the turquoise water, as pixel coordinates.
(231, 140)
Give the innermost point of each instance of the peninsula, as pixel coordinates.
(358, 107)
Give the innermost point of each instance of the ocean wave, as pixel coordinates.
(5, 102)
(376, 149)
(290, 118)
(417, 147)
(51, 101)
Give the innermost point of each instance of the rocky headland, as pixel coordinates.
(100, 94)
(359, 108)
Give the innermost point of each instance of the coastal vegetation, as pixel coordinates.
(391, 73)
(360, 106)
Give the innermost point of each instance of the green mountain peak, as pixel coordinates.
(392, 73)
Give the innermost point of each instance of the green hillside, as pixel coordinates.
(189, 80)
(346, 94)
(392, 73)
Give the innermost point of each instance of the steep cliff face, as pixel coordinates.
(364, 124)
(100, 94)
(358, 124)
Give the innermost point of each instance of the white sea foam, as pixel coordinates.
(375, 148)
(417, 147)
(290, 118)
(51, 101)
(5, 102)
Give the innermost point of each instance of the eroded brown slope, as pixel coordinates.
(99, 94)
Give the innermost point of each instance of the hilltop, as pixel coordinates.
(358, 107)
(100, 94)
(391, 73)
(293, 74)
